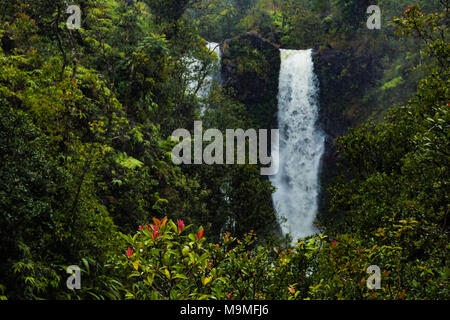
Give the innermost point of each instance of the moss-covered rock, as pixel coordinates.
(345, 75)
(250, 71)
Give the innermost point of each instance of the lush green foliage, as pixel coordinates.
(86, 117)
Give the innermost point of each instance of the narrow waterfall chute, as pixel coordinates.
(195, 67)
(301, 145)
(214, 47)
(215, 75)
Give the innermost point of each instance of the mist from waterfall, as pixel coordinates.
(301, 145)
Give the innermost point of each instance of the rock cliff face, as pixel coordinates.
(250, 70)
(344, 76)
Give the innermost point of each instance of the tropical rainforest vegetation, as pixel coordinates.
(86, 171)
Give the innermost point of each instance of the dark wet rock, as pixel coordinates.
(250, 71)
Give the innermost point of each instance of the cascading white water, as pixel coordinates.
(214, 46)
(207, 83)
(301, 145)
(195, 74)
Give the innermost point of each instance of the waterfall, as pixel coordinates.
(214, 46)
(206, 87)
(301, 145)
(195, 67)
